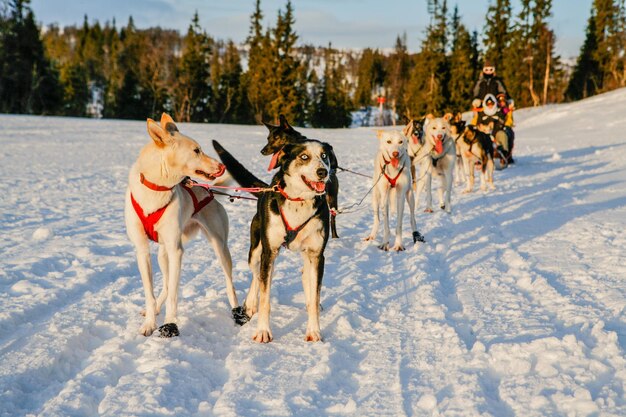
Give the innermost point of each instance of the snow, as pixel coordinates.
(515, 305)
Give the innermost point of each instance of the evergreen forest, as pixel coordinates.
(119, 71)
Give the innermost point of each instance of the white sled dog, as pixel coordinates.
(392, 185)
(441, 162)
(160, 208)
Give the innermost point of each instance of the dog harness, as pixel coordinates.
(151, 219)
(292, 232)
(392, 181)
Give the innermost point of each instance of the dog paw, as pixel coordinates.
(147, 328)
(384, 246)
(467, 191)
(418, 237)
(313, 336)
(398, 248)
(240, 316)
(263, 336)
(428, 210)
(169, 330)
(368, 238)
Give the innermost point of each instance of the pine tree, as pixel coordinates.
(28, 81)
(398, 76)
(497, 31)
(192, 93)
(331, 102)
(430, 76)
(256, 79)
(463, 66)
(286, 78)
(585, 80)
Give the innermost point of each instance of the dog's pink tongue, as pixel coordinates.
(415, 139)
(439, 146)
(273, 162)
(395, 162)
(319, 186)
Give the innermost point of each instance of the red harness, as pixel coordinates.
(392, 181)
(151, 219)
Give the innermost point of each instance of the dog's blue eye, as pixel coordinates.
(304, 157)
(323, 156)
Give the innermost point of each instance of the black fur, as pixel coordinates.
(284, 134)
(269, 204)
(473, 135)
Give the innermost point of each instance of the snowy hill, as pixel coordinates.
(515, 305)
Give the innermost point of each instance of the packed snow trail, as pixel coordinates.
(514, 306)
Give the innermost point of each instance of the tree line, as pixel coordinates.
(104, 71)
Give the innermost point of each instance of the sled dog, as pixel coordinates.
(442, 150)
(392, 185)
(457, 128)
(414, 132)
(292, 212)
(159, 208)
(284, 134)
(477, 151)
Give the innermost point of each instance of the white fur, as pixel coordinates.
(309, 242)
(392, 144)
(166, 161)
(437, 128)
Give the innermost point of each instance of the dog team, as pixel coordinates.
(296, 210)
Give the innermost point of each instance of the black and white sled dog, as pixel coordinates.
(292, 212)
(477, 150)
(440, 145)
(284, 134)
(392, 185)
(457, 128)
(414, 132)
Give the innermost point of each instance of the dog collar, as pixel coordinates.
(153, 186)
(282, 192)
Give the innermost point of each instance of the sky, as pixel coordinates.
(345, 23)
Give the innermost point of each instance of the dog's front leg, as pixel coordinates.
(164, 267)
(263, 333)
(469, 173)
(385, 199)
(174, 251)
(400, 214)
(447, 191)
(145, 270)
(428, 184)
(312, 275)
(490, 168)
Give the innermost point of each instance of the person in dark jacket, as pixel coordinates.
(488, 83)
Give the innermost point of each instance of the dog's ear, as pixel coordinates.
(447, 117)
(160, 137)
(407, 129)
(429, 116)
(380, 133)
(269, 126)
(282, 122)
(168, 124)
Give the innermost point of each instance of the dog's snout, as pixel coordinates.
(440, 136)
(322, 173)
(395, 154)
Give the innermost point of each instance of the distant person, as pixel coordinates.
(488, 83)
(490, 118)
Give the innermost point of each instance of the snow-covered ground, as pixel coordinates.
(515, 305)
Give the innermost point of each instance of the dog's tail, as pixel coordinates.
(244, 177)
